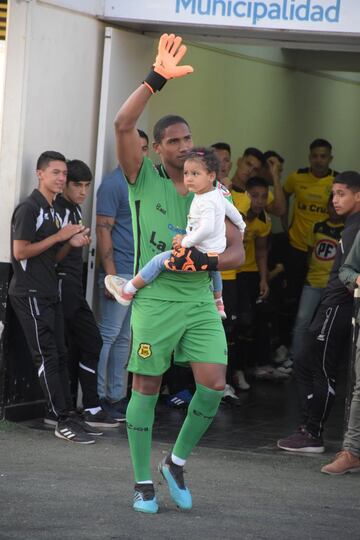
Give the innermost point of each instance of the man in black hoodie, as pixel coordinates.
(329, 334)
(80, 327)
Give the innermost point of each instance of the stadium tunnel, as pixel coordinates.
(274, 84)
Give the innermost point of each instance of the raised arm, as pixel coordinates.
(278, 206)
(129, 154)
(128, 149)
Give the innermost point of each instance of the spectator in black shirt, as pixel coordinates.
(81, 331)
(329, 333)
(36, 247)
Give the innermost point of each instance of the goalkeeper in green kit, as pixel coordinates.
(176, 312)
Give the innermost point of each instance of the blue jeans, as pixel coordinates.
(309, 301)
(114, 326)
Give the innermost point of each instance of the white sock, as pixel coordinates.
(218, 300)
(177, 460)
(93, 410)
(145, 482)
(130, 289)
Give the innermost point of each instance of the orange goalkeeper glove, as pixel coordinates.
(170, 53)
(191, 260)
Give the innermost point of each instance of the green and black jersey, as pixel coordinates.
(159, 212)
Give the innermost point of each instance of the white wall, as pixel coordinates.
(2, 80)
(51, 98)
(127, 57)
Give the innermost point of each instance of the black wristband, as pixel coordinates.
(155, 81)
(213, 262)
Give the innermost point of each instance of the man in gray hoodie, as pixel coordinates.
(348, 460)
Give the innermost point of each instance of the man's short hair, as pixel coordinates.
(350, 179)
(257, 181)
(222, 146)
(45, 158)
(255, 152)
(78, 171)
(143, 135)
(320, 143)
(165, 122)
(271, 153)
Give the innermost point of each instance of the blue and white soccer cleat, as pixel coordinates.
(145, 499)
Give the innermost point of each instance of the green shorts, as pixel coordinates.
(192, 330)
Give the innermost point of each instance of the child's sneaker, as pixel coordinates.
(220, 307)
(240, 381)
(115, 285)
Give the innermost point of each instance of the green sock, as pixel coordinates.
(201, 411)
(140, 415)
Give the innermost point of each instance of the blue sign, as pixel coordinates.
(300, 15)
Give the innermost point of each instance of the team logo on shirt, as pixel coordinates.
(325, 249)
(144, 350)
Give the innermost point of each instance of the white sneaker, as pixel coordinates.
(263, 372)
(239, 380)
(269, 373)
(284, 370)
(280, 354)
(229, 392)
(279, 374)
(288, 363)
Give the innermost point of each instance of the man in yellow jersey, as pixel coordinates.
(252, 278)
(247, 167)
(310, 188)
(233, 378)
(251, 164)
(223, 152)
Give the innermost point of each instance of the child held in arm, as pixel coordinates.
(205, 228)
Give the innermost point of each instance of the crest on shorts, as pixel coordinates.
(144, 350)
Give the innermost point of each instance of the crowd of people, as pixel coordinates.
(189, 261)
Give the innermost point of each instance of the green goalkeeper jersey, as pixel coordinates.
(159, 212)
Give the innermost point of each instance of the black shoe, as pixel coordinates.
(71, 431)
(78, 418)
(100, 419)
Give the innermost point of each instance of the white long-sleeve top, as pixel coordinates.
(206, 222)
